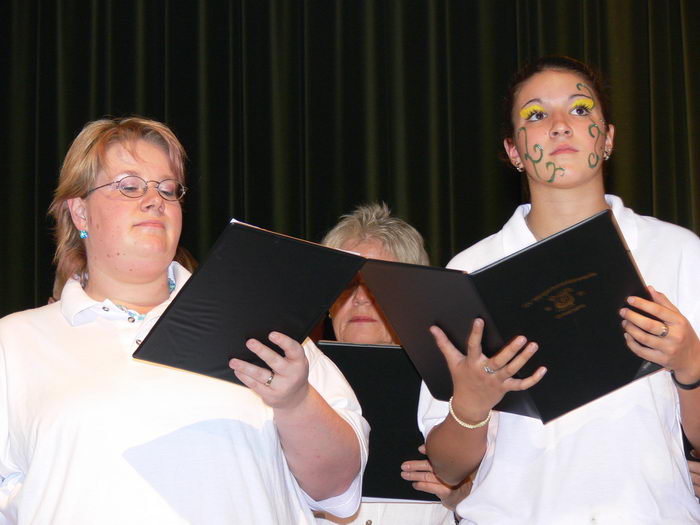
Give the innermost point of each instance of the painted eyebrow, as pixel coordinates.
(572, 97)
(581, 95)
(531, 101)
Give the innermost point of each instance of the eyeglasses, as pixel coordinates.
(134, 186)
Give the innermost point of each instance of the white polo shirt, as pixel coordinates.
(89, 436)
(376, 512)
(618, 460)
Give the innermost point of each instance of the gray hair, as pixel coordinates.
(374, 221)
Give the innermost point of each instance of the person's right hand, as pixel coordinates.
(481, 382)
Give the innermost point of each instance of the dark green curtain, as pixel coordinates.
(295, 111)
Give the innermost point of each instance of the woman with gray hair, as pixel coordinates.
(373, 232)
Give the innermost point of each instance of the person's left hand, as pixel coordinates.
(670, 342)
(286, 383)
(420, 471)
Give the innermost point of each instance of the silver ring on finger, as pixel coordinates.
(489, 370)
(269, 379)
(664, 332)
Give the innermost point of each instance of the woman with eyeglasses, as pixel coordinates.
(89, 435)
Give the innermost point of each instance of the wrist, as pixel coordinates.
(685, 382)
(467, 409)
(477, 422)
(294, 401)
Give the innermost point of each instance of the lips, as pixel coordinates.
(362, 319)
(564, 149)
(150, 224)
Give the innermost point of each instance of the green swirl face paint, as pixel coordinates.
(537, 148)
(556, 170)
(593, 129)
(593, 157)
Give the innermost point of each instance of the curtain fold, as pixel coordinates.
(293, 112)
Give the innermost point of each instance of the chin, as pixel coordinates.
(152, 261)
(155, 248)
(366, 337)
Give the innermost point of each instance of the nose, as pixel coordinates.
(560, 127)
(152, 198)
(361, 296)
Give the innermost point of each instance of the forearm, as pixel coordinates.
(690, 399)
(455, 451)
(321, 448)
(690, 415)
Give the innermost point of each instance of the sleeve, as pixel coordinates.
(325, 377)
(689, 282)
(10, 479)
(431, 411)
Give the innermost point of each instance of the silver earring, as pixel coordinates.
(606, 155)
(518, 167)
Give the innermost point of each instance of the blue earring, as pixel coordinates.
(83, 234)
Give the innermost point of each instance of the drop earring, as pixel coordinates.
(606, 155)
(83, 234)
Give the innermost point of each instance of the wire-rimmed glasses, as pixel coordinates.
(134, 187)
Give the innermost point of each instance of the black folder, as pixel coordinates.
(387, 386)
(252, 282)
(563, 292)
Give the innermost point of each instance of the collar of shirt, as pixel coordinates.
(516, 234)
(79, 308)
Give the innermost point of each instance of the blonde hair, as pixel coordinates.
(374, 221)
(81, 167)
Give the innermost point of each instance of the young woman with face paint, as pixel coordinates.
(620, 458)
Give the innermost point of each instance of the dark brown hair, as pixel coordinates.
(552, 63)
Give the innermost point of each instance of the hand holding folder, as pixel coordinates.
(563, 292)
(252, 282)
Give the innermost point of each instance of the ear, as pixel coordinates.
(78, 212)
(610, 138)
(512, 152)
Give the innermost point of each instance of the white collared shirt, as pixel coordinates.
(618, 460)
(89, 435)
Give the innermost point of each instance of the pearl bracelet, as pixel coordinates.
(464, 423)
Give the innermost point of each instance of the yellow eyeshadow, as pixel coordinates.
(528, 111)
(584, 103)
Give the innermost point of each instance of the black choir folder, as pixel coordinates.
(563, 292)
(387, 386)
(252, 282)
